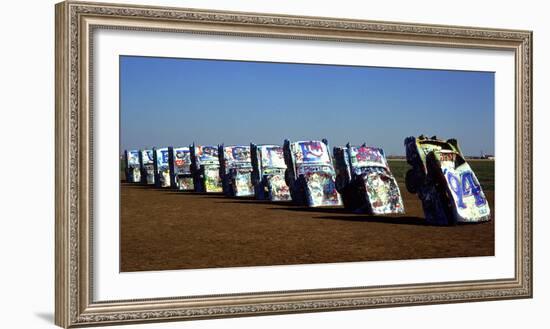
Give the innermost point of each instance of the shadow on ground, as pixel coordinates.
(405, 220)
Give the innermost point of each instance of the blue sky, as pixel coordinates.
(173, 102)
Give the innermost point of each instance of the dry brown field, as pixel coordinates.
(165, 230)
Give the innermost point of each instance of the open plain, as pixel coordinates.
(163, 229)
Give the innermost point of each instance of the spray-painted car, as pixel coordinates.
(310, 173)
(268, 173)
(131, 166)
(236, 170)
(147, 167)
(179, 159)
(364, 180)
(162, 167)
(205, 167)
(448, 188)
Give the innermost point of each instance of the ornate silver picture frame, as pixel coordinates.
(75, 24)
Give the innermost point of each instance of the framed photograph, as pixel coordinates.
(218, 164)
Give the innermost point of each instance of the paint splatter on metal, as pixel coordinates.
(445, 183)
(236, 170)
(365, 181)
(206, 169)
(180, 169)
(268, 173)
(310, 173)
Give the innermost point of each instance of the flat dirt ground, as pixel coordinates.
(164, 230)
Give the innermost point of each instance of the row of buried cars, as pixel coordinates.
(356, 177)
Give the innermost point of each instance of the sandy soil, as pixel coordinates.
(164, 230)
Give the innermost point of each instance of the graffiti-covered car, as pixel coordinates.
(147, 167)
(310, 173)
(448, 188)
(268, 172)
(132, 168)
(235, 170)
(205, 167)
(364, 180)
(162, 167)
(179, 159)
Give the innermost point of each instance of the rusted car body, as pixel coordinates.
(132, 168)
(162, 167)
(180, 169)
(445, 183)
(205, 167)
(364, 180)
(310, 173)
(268, 173)
(147, 166)
(236, 170)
